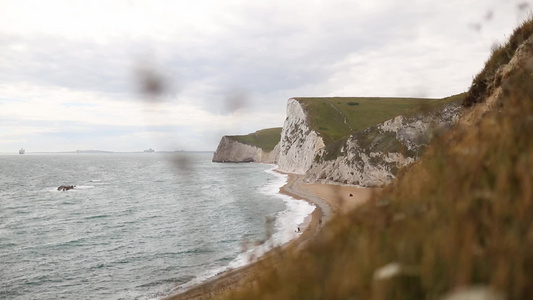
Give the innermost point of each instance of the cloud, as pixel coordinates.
(73, 118)
(227, 66)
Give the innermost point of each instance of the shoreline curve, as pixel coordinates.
(328, 201)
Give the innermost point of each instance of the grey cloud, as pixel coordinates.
(271, 50)
(81, 65)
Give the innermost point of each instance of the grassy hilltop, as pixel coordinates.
(336, 117)
(265, 139)
(460, 217)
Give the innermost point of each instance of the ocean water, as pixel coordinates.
(137, 226)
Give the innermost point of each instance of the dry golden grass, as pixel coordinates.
(501, 55)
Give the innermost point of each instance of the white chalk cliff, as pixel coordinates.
(230, 150)
(299, 143)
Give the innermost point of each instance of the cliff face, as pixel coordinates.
(299, 144)
(230, 150)
(373, 156)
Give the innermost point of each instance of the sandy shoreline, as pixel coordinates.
(328, 199)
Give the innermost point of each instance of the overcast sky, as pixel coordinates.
(72, 73)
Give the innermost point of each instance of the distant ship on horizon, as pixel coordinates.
(150, 150)
(22, 151)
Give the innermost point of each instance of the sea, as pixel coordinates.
(136, 225)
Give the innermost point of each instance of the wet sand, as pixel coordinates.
(328, 199)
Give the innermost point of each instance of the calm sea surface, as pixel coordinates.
(137, 226)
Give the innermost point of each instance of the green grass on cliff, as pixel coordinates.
(337, 117)
(265, 139)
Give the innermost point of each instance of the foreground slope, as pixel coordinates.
(460, 219)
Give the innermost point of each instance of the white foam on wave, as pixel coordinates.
(285, 229)
(83, 187)
(200, 278)
(287, 221)
(285, 225)
(98, 182)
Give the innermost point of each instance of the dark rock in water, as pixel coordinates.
(65, 187)
(249, 159)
